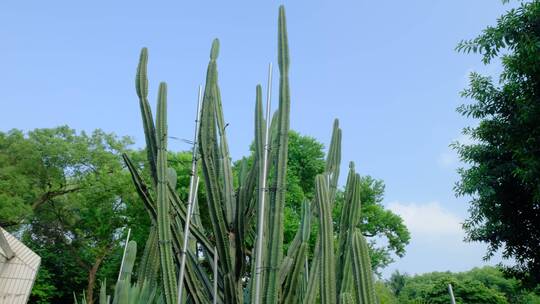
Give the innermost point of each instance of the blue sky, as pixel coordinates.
(386, 69)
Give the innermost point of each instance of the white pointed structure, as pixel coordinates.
(18, 269)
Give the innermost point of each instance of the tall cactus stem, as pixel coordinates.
(363, 277)
(141, 86)
(168, 275)
(216, 271)
(262, 192)
(277, 195)
(328, 277)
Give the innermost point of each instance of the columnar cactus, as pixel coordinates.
(332, 276)
(363, 277)
(168, 272)
(274, 249)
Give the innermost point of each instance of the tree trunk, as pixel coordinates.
(92, 279)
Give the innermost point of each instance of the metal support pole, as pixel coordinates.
(216, 270)
(262, 192)
(124, 255)
(451, 292)
(193, 186)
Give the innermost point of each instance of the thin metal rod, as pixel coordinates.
(451, 292)
(124, 255)
(193, 186)
(262, 191)
(306, 266)
(214, 301)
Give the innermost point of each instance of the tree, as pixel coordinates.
(503, 173)
(397, 281)
(72, 195)
(385, 294)
(479, 285)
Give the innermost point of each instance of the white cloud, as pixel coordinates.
(428, 220)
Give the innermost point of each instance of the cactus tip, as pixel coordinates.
(214, 52)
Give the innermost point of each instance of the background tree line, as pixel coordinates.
(70, 198)
(486, 285)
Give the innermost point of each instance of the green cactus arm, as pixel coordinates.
(254, 224)
(140, 186)
(197, 286)
(200, 286)
(103, 292)
(121, 291)
(150, 260)
(274, 251)
(346, 298)
(149, 264)
(141, 86)
(291, 288)
(312, 290)
(297, 254)
(195, 231)
(247, 197)
(168, 272)
(239, 221)
(363, 276)
(301, 236)
(121, 295)
(350, 210)
(260, 123)
(147, 294)
(347, 280)
(326, 232)
(225, 170)
(208, 147)
(229, 203)
(245, 212)
(333, 161)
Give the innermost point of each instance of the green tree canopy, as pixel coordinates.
(479, 285)
(72, 196)
(502, 176)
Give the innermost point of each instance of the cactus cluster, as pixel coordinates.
(337, 271)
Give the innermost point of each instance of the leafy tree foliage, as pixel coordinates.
(385, 294)
(396, 282)
(479, 285)
(503, 173)
(68, 195)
